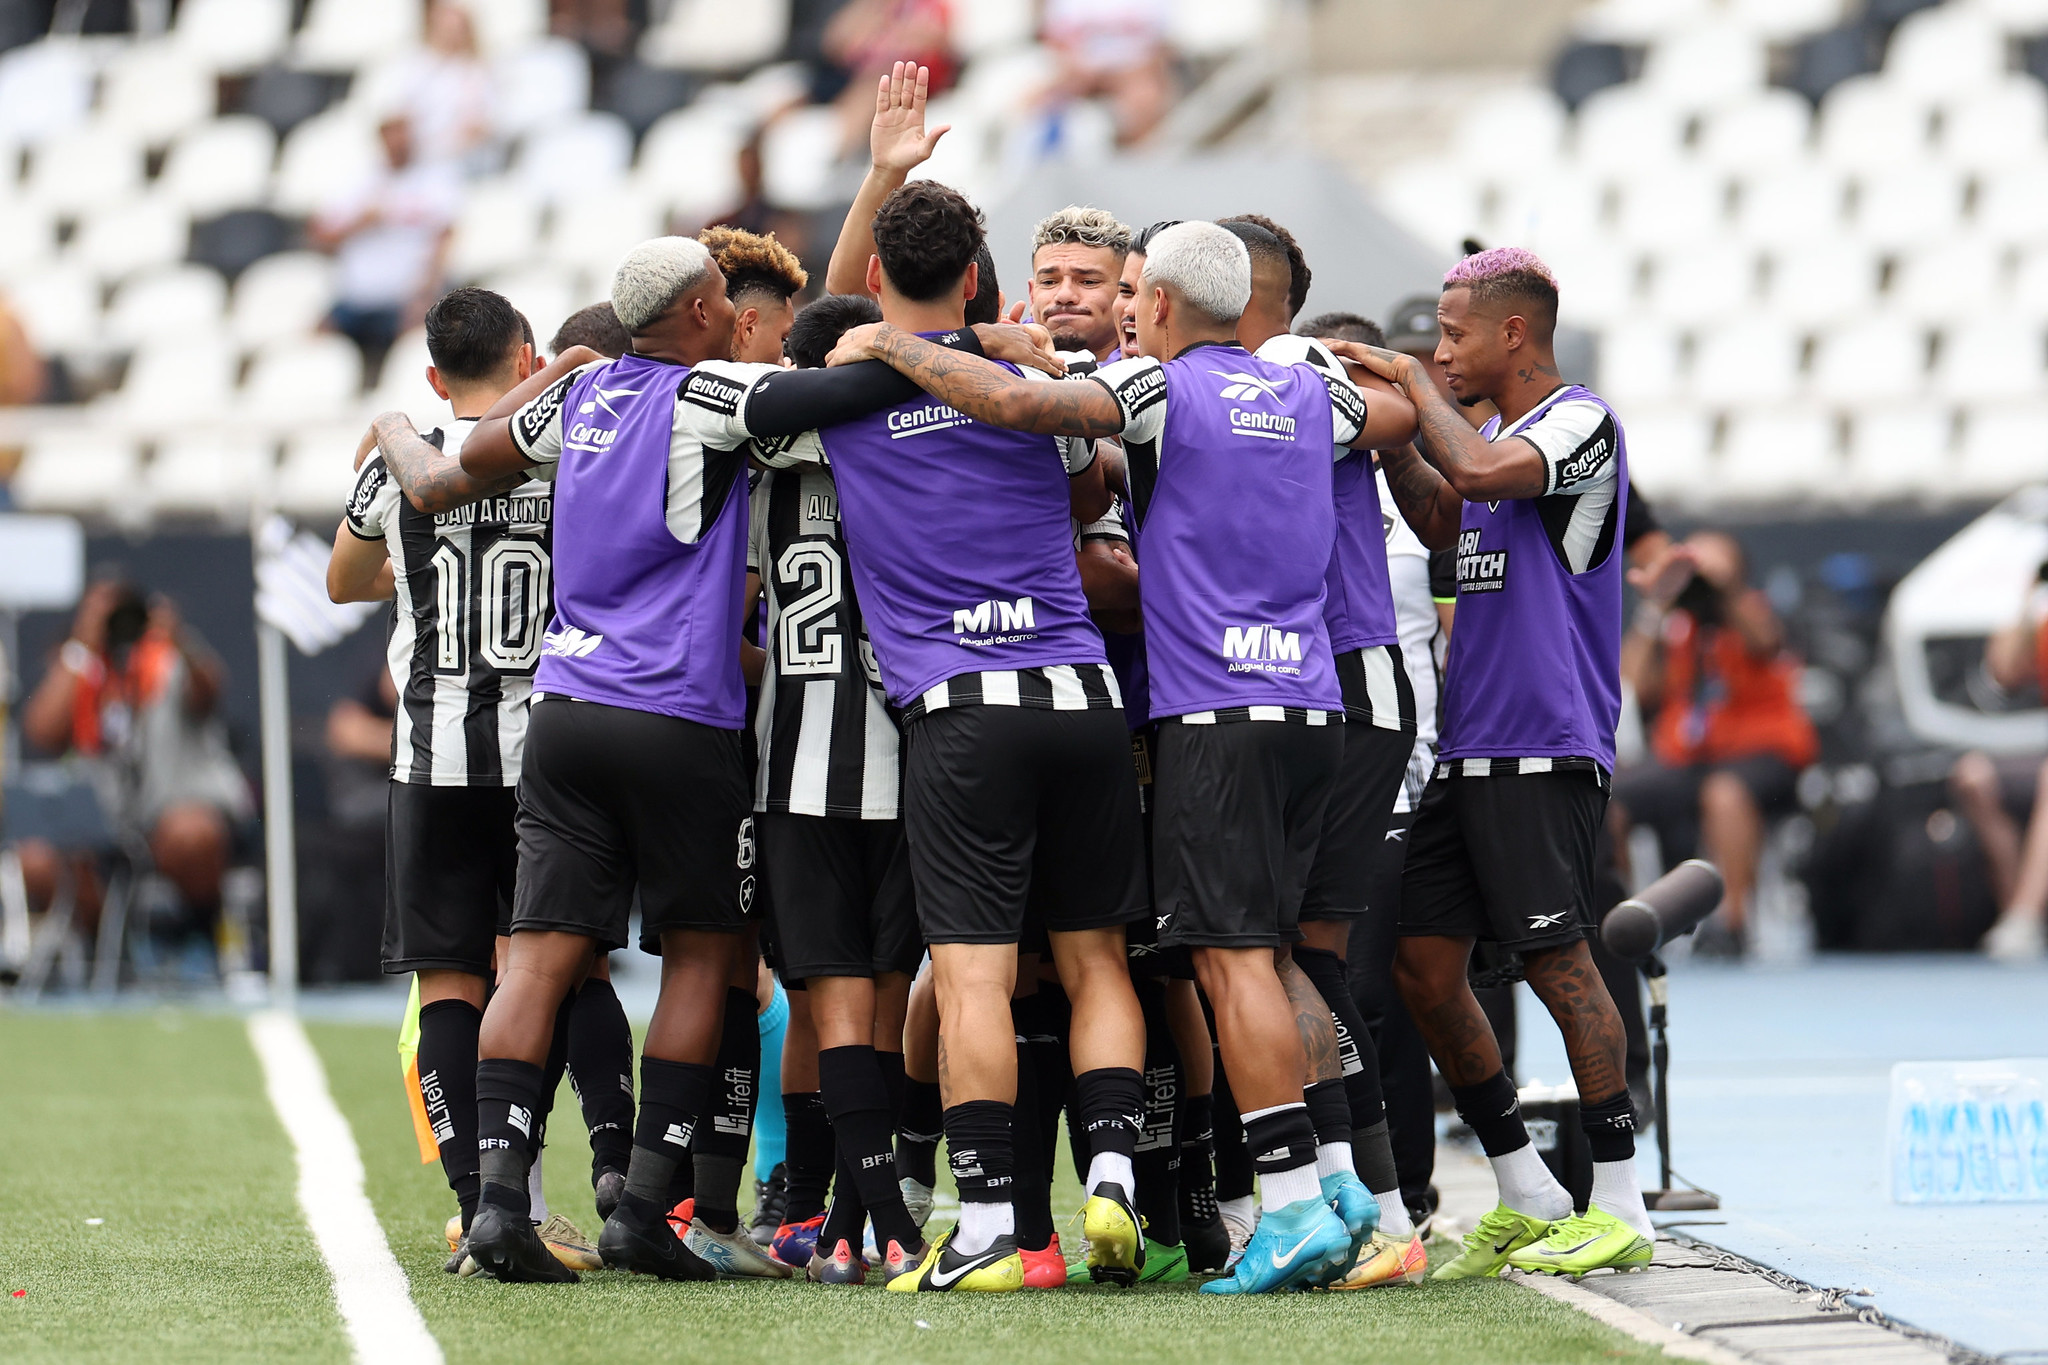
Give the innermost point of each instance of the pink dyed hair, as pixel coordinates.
(1491, 265)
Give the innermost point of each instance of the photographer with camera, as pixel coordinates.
(1729, 736)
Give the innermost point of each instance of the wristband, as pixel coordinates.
(78, 657)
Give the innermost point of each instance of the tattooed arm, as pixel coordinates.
(1430, 506)
(982, 390)
(1480, 470)
(433, 480)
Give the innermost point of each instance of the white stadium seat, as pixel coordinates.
(164, 306)
(1946, 50)
(546, 295)
(1899, 449)
(87, 168)
(1625, 128)
(1217, 28)
(1956, 277)
(690, 161)
(1639, 21)
(1518, 125)
(236, 35)
(1795, 205)
(1768, 129)
(1822, 283)
(1560, 213)
(331, 149)
(221, 165)
(45, 89)
(59, 307)
(2012, 204)
(85, 471)
(1910, 206)
(1866, 124)
(281, 297)
(1747, 361)
(315, 378)
(2004, 445)
(2016, 16)
(30, 231)
(592, 233)
(1703, 65)
(1436, 201)
(1993, 359)
(136, 234)
(1781, 20)
(154, 91)
(717, 35)
(174, 382)
(1639, 363)
(2000, 124)
(506, 26)
(1596, 288)
(988, 27)
(574, 156)
(402, 383)
(1680, 206)
(209, 474)
(340, 35)
(498, 228)
(539, 84)
(798, 154)
(1670, 450)
(2029, 288)
(1703, 284)
(1772, 454)
(1877, 359)
(317, 472)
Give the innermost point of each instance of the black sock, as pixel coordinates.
(846, 1216)
(1493, 1113)
(1281, 1140)
(1355, 1053)
(893, 1082)
(810, 1155)
(1156, 1156)
(1329, 1111)
(601, 1073)
(447, 1069)
(672, 1095)
(919, 1130)
(1111, 1103)
(1610, 1126)
(1032, 1193)
(1197, 1158)
(1372, 1152)
(721, 1146)
(1233, 1158)
(979, 1150)
(508, 1095)
(857, 1098)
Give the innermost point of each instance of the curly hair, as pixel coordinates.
(1512, 277)
(753, 263)
(1299, 275)
(1082, 225)
(926, 235)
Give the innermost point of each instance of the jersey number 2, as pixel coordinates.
(808, 628)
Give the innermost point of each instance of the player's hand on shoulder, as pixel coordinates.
(369, 441)
(1021, 343)
(856, 344)
(1392, 366)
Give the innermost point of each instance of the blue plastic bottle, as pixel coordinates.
(1951, 1154)
(1914, 1181)
(2005, 1154)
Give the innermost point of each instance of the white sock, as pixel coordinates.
(1332, 1157)
(1240, 1212)
(1394, 1220)
(535, 1193)
(1527, 1186)
(1278, 1189)
(1114, 1167)
(981, 1224)
(1616, 1189)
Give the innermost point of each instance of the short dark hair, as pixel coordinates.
(1344, 327)
(927, 235)
(819, 325)
(472, 333)
(754, 263)
(987, 303)
(1299, 276)
(597, 327)
(1141, 240)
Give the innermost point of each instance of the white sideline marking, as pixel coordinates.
(1628, 1321)
(383, 1323)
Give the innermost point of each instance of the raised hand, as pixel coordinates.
(898, 140)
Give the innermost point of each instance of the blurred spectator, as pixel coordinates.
(359, 731)
(133, 694)
(389, 234)
(608, 28)
(866, 37)
(1114, 50)
(21, 381)
(1729, 737)
(443, 90)
(1996, 794)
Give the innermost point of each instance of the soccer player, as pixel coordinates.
(829, 832)
(1237, 656)
(641, 681)
(1379, 739)
(597, 327)
(1077, 256)
(898, 144)
(471, 606)
(1502, 846)
(1018, 790)
(762, 278)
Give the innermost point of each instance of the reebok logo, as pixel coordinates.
(570, 642)
(1546, 921)
(1240, 387)
(602, 398)
(1000, 622)
(1397, 835)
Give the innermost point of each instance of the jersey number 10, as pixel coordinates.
(502, 605)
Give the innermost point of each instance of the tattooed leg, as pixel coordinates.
(1255, 1026)
(1569, 985)
(1312, 1021)
(1430, 972)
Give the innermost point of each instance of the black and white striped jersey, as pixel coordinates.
(828, 745)
(472, 605)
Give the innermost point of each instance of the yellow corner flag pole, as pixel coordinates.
(409, 1062)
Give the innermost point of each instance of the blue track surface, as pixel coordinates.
(1780, 1081)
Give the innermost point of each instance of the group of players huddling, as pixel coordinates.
(1142, 819)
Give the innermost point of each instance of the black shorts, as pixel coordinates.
(612, 801)
(1240, 809)
(451, 863)
(1507, 858)
(1355, 821)
(839, 892)
(1147, 956)
(1667, 800)
(1013, 812)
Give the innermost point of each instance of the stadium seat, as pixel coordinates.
(1914, 205)
(574, 156)
(798, 154)
(1509, 127)
(1796, 205)
(1670, 451)
(506, 26)
(1211, 29)
(1877, 358)
(1597, 288)
(59, 307)
(1769, 455)
(210, 473)
(2016, 16)
(1763, 131)
(1703, 284)
(717, 35)
(989, 27)
(1680, 206)
(1626, 128)
(1821, 283)
(1639, 363)
(592, 233)
(1560, 212)
(1993, 359)
(163, 306)
(321, 155)
(87, 168)
(2000, 124)
(281, 297)
(1439, 203)
(1702, 65)
(315, 378)
(402, 383)
(339, 35)
(2028, 291)
(314, 477)
(1639, 21)
(2004, 445)
(1744, 362)
(1868, 125)
(30, 231)
(155, 91)
(236, 35)
(219, 166)
(539, 84)
(1780, 20)
(1901, 449)
(1944, 51)
(174, 382)
(498, 228)
(1957, 277)
(285, 97)
(136, 234)
(81, 471)
(546, 294)
(45, 89)
(2012, 204)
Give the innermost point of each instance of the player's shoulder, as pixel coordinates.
(1289, 349)
(1138, 381)
(721, 386)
